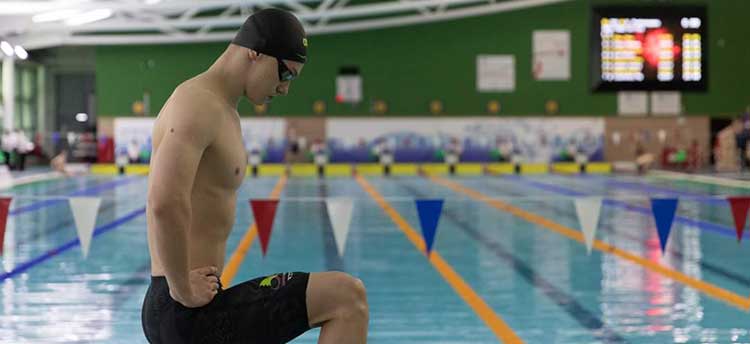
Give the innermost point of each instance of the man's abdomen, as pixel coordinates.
(211, 223)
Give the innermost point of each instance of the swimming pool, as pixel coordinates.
(507, 261)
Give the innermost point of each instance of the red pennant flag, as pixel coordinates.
(264, 211)
(4, 205)
(739, 206)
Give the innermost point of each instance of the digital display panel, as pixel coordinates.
(649, 48)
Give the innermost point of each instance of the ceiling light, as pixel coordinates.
(21, 52)
(7, 48)
(89, 17)
(54, 16)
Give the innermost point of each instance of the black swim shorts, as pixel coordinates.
(265, 310)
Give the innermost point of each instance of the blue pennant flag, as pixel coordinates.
(663, 210)
(429, 213)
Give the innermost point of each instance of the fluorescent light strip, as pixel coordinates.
(6, 48)
(21, 52)
(89, 17)
(54, 16)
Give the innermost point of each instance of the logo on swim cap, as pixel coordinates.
(304, 42)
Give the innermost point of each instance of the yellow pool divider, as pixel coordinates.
(566, 168)
(501, 168)
(599, 167)
(435, 169)
(469, 169)
(338, 170)
(534, 168)
(140, 169)
(404, 169)
(303, 170)
(575, 168)
(269, 170)
(400, 169)
(103, 169)
(369, 169)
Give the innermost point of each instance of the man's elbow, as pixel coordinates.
(168, 207)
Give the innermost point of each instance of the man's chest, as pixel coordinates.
(225, 160)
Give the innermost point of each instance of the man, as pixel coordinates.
(743, 142)
(24, 147)
(198, 164)
(9, 142)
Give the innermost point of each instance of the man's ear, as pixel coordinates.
(252, 54)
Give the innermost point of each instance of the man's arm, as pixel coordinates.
(187, 130)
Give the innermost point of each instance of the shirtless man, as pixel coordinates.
(197, 166)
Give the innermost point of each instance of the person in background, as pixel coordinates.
(320, 155)
(384, 153)
(694, 156)
(569, 152)
(121, 160)
(58, 163)
(24, 146)
(292, 141)
(453, 154)
(255, 156)
(8, 146)
(504, 150)
(643, 159)
(134, 152)
(743, 140)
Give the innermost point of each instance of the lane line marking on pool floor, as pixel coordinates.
(22, 267)
(233, 265)
(498, 326)
(709, 289)
(744, 281)
(712, 180)
(716, 228)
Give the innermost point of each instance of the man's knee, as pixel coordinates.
(354, 296)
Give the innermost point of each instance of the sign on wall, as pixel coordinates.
(496, 73)
(551, 51)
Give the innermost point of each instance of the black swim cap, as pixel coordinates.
(274, 32)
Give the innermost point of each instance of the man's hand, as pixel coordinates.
(203, 287)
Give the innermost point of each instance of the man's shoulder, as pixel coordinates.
(196, 98)
(192, 103)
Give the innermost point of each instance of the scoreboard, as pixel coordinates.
(648, 48)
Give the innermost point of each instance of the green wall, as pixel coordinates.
(410, 66)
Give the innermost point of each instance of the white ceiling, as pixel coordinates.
(176, 21)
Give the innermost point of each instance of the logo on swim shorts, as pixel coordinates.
(267, 282)
(276, 281)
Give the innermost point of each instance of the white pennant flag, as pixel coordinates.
(84, 213)
(588, 209)
(340, 214)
